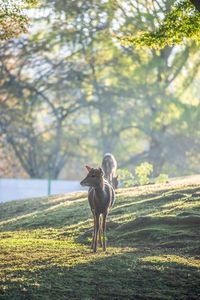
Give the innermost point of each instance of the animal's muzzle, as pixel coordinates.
(84, 183)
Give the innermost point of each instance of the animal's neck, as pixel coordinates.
(100, 188)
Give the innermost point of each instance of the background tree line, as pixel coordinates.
(70, 91)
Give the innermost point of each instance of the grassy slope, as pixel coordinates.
(153, 237)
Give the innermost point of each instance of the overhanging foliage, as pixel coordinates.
(182, 22)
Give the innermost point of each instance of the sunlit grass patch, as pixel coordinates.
(30, 254)
(23, 260)
(18, 208)
(65, 213)
(175, 260)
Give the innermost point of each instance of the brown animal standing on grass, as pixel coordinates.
(101, 197)
(109, 166)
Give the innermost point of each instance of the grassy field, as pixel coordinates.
(153, 246)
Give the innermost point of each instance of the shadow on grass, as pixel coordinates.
(74, 217)
(154, 232)
(124, 276)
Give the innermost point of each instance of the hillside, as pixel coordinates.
(153, 246)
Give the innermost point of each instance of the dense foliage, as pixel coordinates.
(13, 19)
(180, 23)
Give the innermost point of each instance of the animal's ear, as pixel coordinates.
(101, 171)
(88, 168)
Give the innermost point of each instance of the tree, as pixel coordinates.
(38, 141)
(70, 92)
(13, 20)
(157, 113)
(182, 22)
(41, 81)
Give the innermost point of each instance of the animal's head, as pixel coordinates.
(94, 177)
(115, 182)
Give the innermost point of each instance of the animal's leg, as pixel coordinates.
(100, 230)
(96, 232)
(92, 244)
(104, 231)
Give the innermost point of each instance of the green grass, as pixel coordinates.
(153, 247)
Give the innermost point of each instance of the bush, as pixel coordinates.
(162, 178)
(126, 178)
(143, 172)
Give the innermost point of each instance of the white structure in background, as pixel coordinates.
(16, 189)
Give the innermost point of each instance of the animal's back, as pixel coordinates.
(109, 165)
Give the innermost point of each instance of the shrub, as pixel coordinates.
(126, 178)
(162, 178)
(143, 172)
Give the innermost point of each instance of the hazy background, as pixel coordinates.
(69, 92)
